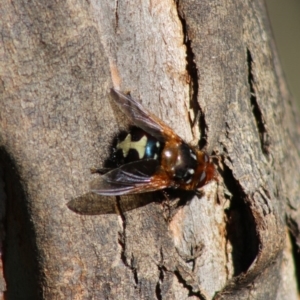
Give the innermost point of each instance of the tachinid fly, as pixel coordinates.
(152, 157)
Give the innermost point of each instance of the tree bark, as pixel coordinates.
(182, 59)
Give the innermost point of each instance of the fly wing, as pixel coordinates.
(137, 177)
(142, 118)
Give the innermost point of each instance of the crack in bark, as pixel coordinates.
(263, 134)
(159, 283)
(122, 241)
(117, 16)
(192, 71)
(161, 269)
(188, 287)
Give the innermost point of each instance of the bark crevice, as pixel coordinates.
(190, 288)
(122, 241)
(193, 74)
(262, 130)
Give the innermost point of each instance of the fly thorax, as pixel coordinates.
(186, 164)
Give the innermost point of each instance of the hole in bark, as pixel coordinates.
(240, 226)
(263, 135)
(19, 253)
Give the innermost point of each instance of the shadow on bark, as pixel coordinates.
(21, 270)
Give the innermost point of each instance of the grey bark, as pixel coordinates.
(217, 58)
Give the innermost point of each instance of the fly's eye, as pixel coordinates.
(186, 163)
(188, 176)
(193, 155)
(202, 179)
(206, 158)
(185, 174)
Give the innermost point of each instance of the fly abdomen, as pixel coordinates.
(136, 145)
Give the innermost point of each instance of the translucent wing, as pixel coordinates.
(133, 178)
(143, 119)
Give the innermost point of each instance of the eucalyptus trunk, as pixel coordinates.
(209, 70)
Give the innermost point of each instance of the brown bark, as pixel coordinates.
(58, 61)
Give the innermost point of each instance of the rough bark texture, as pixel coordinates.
(58, 60)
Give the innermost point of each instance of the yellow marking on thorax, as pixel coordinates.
(128, 144)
